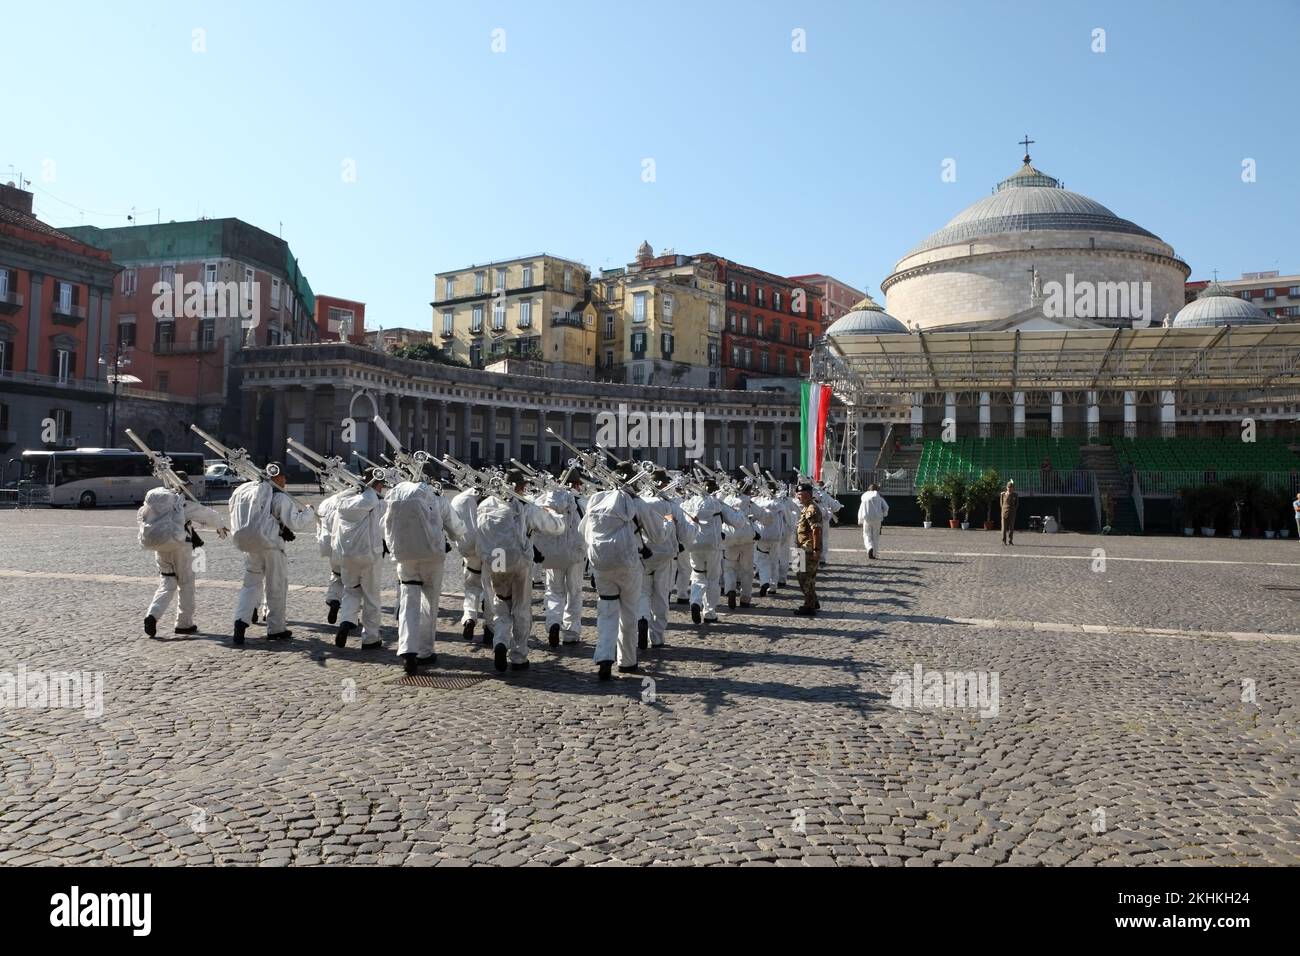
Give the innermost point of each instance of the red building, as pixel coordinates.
(838, 298)
(771, 324)
(55, 323)
(333, 315)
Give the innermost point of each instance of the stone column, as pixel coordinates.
(986, 415)
(774, 446)
(279, 425)
(1018, 413)
(490, 433)
(1058, 420)
(749, 441)
(567, 431)
(1094, 417)
(439, 432)
(724, 443)
(1130, 415)
(543, 460)
(1168, 415)
(34, 312)
(516, 431)
(950, 410)
(90, 367)
(463, 432)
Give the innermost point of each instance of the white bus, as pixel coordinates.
(88, 477)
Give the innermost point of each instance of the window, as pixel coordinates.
(713, 380)
(275, 293)
(250, 284)
(758, 326)
(448, 322)
(207, 332)
(744, 291)
(525, 314)
(164, 380)
(731, 288)
(1270, 294)
(776, 301)
(1246, 294)
(6, 284)
(609, 359)
(128, 281)
(449, 288)
(528, 276)
(638, 375)
(731, 321)
(776, 330)
(810, 338)
(6, 355)
(609, 325)
(760, 295)
(666, 344)
(1293, 292)
(794, 334)
(713, 353)
(749, 358)
(479, 279)
(638, 344)
(501, 279)
(798, 365)
(762, 360)
(498, 315)
(64, 292)
(4, 417)
(568, 279)
(126, 332)
(209, 274)
(780, 363)
(735, 356)
(476, 319)
(638, 307)
(713, 316)
(476, 355)
(744, 325)
(164, 334)
(668, 308)
(167, 276)
(64, 365)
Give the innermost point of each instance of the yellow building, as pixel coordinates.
(533, 309)
(660, 321)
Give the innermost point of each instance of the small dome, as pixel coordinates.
(866, 318)
(1218, 306)
(644, 251)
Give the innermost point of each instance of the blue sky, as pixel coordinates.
(823, 161)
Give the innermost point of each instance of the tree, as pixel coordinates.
(426, 352)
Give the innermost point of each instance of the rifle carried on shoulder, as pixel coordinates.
(162, 467)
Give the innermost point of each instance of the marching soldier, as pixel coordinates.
(563, 560)
(166, 527)
(478, 599)
(358, 539)
(808, 538)
(660, 568)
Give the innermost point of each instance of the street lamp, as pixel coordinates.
(113, 370)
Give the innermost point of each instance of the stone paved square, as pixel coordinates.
(1124, 732)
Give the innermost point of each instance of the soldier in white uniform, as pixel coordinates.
(358, 539)
(660, 568)
(479, 601)
(564, 559)
(167, 520)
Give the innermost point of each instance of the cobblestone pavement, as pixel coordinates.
(769, 739)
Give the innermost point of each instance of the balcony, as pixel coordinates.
(68, 314)
(10, 302)
(570, 319)
(183, 348)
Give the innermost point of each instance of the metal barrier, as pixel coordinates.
(1167, 482)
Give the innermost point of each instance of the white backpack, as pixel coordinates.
(610, 532)
(412, 523)
(705, 535)
(162, 520)
(252, 526)
(502, 538)
(354, 533)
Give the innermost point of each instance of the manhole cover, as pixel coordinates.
(441, 681)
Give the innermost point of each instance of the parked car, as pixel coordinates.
(221, 475)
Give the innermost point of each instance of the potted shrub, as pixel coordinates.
(1189, 510)
(926, 497)
(953, 489)
(989, 484)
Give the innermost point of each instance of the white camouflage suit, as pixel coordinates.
(479, 602)
(266, 573)
(511, 577)
(176, 568)
(829, 506)
(564, 559)
(790, 512)
(771, 518)
(416, 525)
(324, 529)
(358, 539)
(660, 569)
(618, 588)
(738, 550)
(705, 516)
(872, 512)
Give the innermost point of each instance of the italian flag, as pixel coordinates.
(814, 407)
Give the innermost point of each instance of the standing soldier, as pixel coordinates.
(808, 538)
(358, 539)
(1010, 501)
(166, 527)
(262, 519)
(563, 560)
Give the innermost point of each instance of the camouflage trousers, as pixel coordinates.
(808, 579)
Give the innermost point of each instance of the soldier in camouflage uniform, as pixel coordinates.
(808, 537)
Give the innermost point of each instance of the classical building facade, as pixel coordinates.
(989, 261)
(532, 308)
(660, 321)
(838, 298)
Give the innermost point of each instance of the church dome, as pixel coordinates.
(866, 318)
(1218, 306)
(1029, 200)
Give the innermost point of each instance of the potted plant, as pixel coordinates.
(953, 489)
(926, 497)
(992, 486)
(1189, 510)
(970, 503)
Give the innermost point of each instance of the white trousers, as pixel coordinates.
(513, 610)
(264, 572)
(782, 550)
(871, 535)
(564, 599)
(361, 596)
(826, 537)
(176, 578)
(618, 594)
(334, 590)
(419, 586)
(767, 564)
(706, 579)
(656, 582)
(738, 571)
(682, 578)
(480, 602)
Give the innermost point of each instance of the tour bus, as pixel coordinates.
(88, 477)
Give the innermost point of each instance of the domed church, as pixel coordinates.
(1034, 250)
